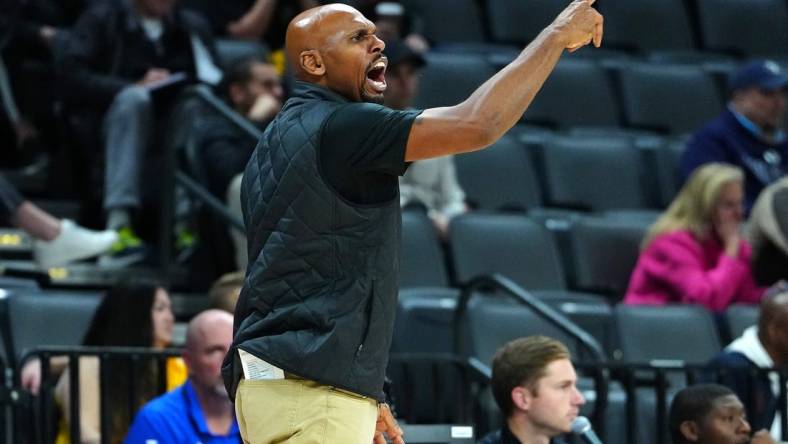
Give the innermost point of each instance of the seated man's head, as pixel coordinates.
(402, 78)
(708, 414)
(224, 292)
(251, 81)
(534, 384)
(773, 325)
(758, 93)
(335, 46)
(208, 338)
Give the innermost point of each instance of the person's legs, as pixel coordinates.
(10, 200)
(127, 130)
(306, 413)
(238, 237)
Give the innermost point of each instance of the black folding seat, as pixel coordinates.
(647, 333)
(740, 317)
(577, 93)
(421, 259)
(512, 245)
(670, 98)
(449, 78)
(501, 177)
(744, 27)
(604, 252)
(455, 22)
(636, 23)
(593, 173)
(514, 21)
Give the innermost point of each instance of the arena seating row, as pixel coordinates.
(739, 27)
(657, 96)
(593, 254)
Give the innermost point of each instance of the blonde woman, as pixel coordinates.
(695, 253)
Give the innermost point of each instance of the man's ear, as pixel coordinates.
(521, 398)
(690, 431)
(312, 63)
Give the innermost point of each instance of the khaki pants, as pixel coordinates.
(299, 411)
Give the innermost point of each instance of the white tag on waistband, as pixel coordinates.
(257, 369)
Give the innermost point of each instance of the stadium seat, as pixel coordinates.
(577, 93)
(511, 321)
(741, 317)
(512, 245)
(455, 22)
(65, 315)
(667, 168)
(515, 21)
(499, 178)
(449, 79)
(421, 259)
(633, 19)
(590, 312)
(652, 333)
(427, 390)
(744, 27)
(604, 253)
(231, 51)
(593, 173)
(675, 99)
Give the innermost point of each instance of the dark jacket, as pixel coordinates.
(108, 50)
(505, 436)
(724, 139)
(752, 387)
(320, 291)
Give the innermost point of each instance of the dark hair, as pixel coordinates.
(522, 362)
(124, 319)
(693, 403)
(239, 72)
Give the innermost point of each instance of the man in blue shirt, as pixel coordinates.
(199, 411)
(749, 132)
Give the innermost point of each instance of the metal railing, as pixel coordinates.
(40, 411)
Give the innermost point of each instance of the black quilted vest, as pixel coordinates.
(321, 288)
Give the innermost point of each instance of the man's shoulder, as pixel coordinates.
(165, 406)
(731, 359)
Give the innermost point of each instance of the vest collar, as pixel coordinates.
(313, 91)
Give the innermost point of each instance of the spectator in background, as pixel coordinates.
(29, 30)
(749, 133)
(252, 19)
(199, 410)
(534, 385)
(763, 346)
(711, 414)
(224, 293)
(393, 22)
(134, 315)
(694, 253)
(119, 62)
(254, 90)
(430, 183)
(56, 242)
(768, 232)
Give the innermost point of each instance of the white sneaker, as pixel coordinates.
(73, 243)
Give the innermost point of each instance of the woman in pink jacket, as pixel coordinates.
(694, 253)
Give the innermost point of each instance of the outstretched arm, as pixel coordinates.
(500, 101)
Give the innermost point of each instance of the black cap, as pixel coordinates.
(398, 52)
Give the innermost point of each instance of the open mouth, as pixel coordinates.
(376, 75)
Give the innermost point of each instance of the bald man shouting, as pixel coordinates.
(314, 320)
